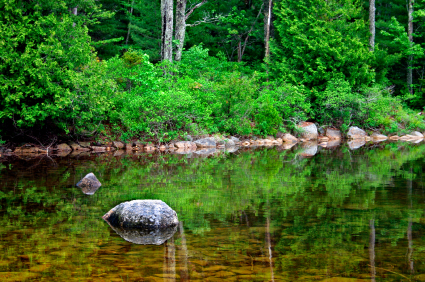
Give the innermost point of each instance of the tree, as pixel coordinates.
(48, 71)
(167, 30)
(267, 28)
(372, 11)
(410, 34)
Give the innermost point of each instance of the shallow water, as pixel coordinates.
(257, 215)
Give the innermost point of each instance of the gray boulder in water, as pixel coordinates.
(89, 184)
(143, 221)
(147, 214)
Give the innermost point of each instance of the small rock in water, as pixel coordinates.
(89, 184)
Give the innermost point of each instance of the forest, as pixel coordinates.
(160, 69)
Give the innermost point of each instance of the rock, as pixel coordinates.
(416, 134)
(171, 146)
(279, 140)
(89, 184)
(356, 143)
(85, 144)
(378, 137)
(206, 152)
(323, 139)
(142, 214)
(149, 148)
(246, 143)
(229, 143)
(185, 145)
(63, 147)
(235, 139)
(162, 148)
(333, 134)
(98, 149)
(110, 149)
(206, 143)
(232, 149)
(368, 138)
(289, 138)
(270, 137)
(395, 137)
(144, 236)
(287, 145)
(309, 130)
(75, 146)
(28, 149)
(119, 153)
(309, 149)
(118, 144)
(356, 133)
(323, 144)
(128, 147)
(333, 143)
(321, 130)
(138, 146)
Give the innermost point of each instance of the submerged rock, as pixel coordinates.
(144, 236)
(142, 214)
(89, 184)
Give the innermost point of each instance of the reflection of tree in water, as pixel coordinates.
(322, 207)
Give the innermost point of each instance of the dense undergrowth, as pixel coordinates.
(204, 94)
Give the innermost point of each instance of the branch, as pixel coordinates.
(206, 19)
(252, 27)
(193, 9)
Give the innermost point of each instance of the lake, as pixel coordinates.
(265, 214)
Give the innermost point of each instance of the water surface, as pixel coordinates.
(255, 215)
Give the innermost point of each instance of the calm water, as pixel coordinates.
(259, 215)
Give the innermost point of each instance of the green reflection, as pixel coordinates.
(258, 215)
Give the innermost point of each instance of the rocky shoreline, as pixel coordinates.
(310, 138)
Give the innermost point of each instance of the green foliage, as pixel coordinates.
(47, 68)
(319, 40)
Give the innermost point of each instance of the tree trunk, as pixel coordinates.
(267, 25)
(167, 30)
(410, 34)
(129, 22)
(372, 11)
(180, 27)
(74, 11)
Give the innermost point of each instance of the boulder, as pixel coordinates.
(356, 133)
(119, 153)
(333, 143)
(356, 143)
(144, 236)
(98, 149)
(232, 149)
(416, 134)
(395, 137)
(75, 146)
(128, 147)
(118, 144)
(85, 144)
(229, 143)
(378, 137)
(287, 145)
(185, 145)
(323, 139)
(206, 143)
(309, 149)
(89, 184)
(289, 138)
(206, 152)
(309, 130)
(142, 214)
(63, 147)
(235, 139)
(333, 134)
